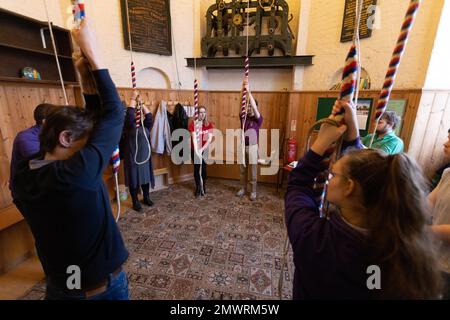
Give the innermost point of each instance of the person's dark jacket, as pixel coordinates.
(66, 203)
(178, 120)
(129, 148)
(329, 254)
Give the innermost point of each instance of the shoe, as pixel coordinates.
(137, 206)
(253, 196)
(240, 193)
(147, 201)
(197, 192)
(204, 189)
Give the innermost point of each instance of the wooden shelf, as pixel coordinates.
(51, 53)
(22, 42)
(24, 80)
(255, 62)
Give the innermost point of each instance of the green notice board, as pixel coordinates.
(364, 112)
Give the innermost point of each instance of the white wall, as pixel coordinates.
(325, 23)
(110, 33)
(302, 36)
(438, 76)
(36, 9)
(318, 22)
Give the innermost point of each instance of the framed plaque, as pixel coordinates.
(150, 26)
(348, 23)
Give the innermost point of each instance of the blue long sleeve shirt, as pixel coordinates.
(328, 254)
(66, 202)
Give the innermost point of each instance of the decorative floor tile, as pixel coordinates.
(261, 281)
(181, 290)
(180, 265)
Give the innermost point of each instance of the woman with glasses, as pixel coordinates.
(376, 243)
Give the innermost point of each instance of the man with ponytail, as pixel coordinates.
(380, 219)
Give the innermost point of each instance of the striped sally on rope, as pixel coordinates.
(349, 86)
(138, 109)
(78, 11)
(394, 64)
(244, 101)
(198, 126)
(244, 90)
(138, 116)
(197, 123)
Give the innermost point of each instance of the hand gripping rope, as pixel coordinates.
(198, 125)
(244, 100)
(79, 14)
(349, 93)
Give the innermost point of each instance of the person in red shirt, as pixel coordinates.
(199, 150)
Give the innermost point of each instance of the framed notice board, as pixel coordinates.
(348, 23)
(363, 112)
(150, 26)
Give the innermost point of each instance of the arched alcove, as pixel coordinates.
(153, 78)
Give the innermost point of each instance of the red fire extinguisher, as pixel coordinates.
(291, 150)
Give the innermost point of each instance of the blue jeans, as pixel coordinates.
(117, 290)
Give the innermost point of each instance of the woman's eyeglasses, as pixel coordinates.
(332, 174)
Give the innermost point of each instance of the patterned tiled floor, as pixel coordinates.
(218, 247)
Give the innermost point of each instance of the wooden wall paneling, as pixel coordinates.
(437, 155)
(16, 245)
(443, 134)
(278, 109)
(274, 107)
(303, 109)
(292, 114)
(420, 124)
(430, 155)
(152, 98)
(17, 103)
(413, 100)
(432, 130)
(5, 197)
(224, 112)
